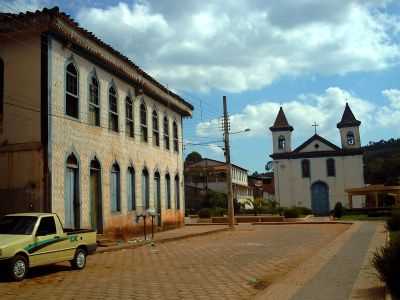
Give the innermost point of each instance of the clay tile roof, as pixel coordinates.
(348, 119)
(281, 123)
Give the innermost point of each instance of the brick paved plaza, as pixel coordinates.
(225, 265)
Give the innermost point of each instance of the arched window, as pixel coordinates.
(72, 92)
(129, 117)
(156, 131)
(166, 132)
(145, 189)
(168, 190)
(115, 188)
(131, 189)
(281, 142)
(177, 193)
(113, 109)
(330, 167)
(175, 133)
(94, 101)
(143, 122)
(1, 91)
(305, 168)
(72, 202)
(350, 138)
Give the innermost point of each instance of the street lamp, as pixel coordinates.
(241, 131)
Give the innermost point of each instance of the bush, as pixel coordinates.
(338, 211)
(387, 261)
(393, 224)
(218, 211)
(291, 212)
(304, 210)
(204, 213)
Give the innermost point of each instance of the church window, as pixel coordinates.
(305, 168)
(281, 142)
(330, 167)
(350, 138)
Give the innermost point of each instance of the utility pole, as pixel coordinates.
(231, 213)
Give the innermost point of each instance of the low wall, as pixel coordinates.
(249, 219)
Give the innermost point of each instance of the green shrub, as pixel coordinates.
(304, 210)
(204, 213)
(338, 211)
(387, 261)
(393, 224)
(218, 211)
(292, 212)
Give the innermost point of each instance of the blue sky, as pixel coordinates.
(310, 56)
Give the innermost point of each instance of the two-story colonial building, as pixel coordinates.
(84, 132)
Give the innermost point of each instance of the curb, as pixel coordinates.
(208, 224)
(161, 241)
(301, 223)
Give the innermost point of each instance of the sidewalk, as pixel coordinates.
(341, 270)
(166, 236)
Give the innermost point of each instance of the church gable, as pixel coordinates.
(316, 144)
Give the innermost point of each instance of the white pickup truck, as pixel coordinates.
(35, 239)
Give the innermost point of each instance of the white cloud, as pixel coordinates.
(326, 109)
(15, 6)
(243, 45)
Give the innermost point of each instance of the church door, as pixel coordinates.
(320, 198)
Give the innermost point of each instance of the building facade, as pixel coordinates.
(262, 186)
(85, 133)
(317, 173)
(211, 174)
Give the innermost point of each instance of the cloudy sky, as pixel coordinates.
(310, 56)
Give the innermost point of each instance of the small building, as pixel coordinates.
(210, 174)
(262, 186)
(84, 132)
(317, 173)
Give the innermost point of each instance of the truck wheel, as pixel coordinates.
(18, 268)
(79, 261)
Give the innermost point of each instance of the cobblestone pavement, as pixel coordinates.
(225, 265)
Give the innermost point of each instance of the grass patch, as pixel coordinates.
(362, 218)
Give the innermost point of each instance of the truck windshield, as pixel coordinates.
(17, 225)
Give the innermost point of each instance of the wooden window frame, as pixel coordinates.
(113, 118)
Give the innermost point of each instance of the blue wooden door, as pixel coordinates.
(70, 198)
(320, 198)
(157, 197)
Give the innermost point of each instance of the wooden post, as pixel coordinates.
(350, 198)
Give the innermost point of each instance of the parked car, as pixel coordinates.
(35, 239)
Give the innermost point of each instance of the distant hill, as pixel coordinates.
(382, 162)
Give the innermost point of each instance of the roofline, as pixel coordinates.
(54, 13)
(344, 124)
(318, 137)
(286, 128)
(315, 154)
(218, 161)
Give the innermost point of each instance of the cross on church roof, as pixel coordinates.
(315, 126)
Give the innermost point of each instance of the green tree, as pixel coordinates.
(193, 157)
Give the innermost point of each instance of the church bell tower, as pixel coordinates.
(281, 133)
(349, 130)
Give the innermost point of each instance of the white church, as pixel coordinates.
(317, 172)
